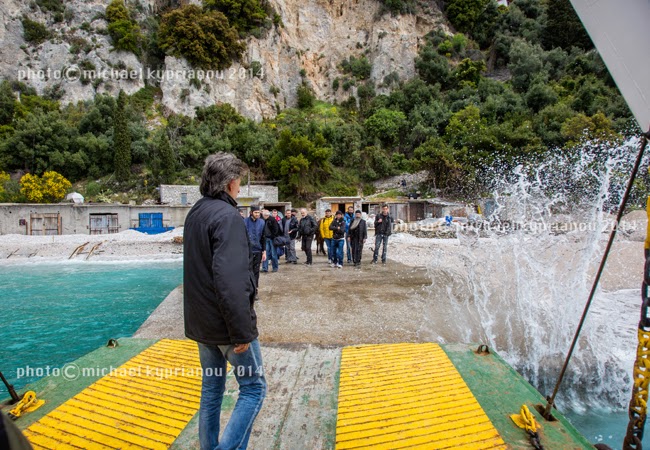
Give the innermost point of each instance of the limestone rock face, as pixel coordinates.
(315, 36)
(78, 44)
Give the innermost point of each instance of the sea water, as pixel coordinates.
(520, 282)
(54, 313)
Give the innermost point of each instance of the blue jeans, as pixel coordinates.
(249, 372)
(337, 251)
(272, 254)
(328, 244)
(378, 241)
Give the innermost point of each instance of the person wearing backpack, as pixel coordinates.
(306, 230)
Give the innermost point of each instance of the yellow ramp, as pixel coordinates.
(143, 404)
(408, 396)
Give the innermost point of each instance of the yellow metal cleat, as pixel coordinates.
(28, 403)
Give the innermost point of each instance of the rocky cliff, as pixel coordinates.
(315, 36)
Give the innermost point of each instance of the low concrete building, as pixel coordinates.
(336, 204)
(414, 210)
(183, 195)
(70, 218)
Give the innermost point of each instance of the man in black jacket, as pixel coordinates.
(219, 292)
(271, 231)
(306, 230)
(358, 233)
(290, 228)
(383, 229)
(338, 239)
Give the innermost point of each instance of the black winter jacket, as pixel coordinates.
(338, 226)
(272, 228)
(307, 226)
(384, 227)
(218, 287)
(360, 233)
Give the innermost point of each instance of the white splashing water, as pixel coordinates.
(523, 291)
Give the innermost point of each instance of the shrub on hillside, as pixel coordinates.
(204, 38)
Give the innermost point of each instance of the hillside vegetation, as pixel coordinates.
(509, 85)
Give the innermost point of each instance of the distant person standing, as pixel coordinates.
(338, 239)
(348, 217)
(271, 231)
(306, 230)
(326, 233)
(218, 300)
(383, 229)
(357, 234)
(290, 227)
(255, 230)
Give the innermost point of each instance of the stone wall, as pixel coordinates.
(75, 219)
(173, 194)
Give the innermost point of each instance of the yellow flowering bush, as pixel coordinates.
(4, 179)
(50, 188)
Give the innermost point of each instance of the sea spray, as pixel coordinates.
(522, 280)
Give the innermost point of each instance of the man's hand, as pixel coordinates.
(263, 256)
(241, 348)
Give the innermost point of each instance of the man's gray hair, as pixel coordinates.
(219, 170)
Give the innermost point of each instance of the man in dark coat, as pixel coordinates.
(255, 230)
(219, 296)
(383, 229)
(271, 231)
(358, 233)
(306, 230)
(290, 228)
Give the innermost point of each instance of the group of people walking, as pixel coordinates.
(272, 236)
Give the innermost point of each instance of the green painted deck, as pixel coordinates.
(300, 410)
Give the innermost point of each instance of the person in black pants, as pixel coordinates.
(306, 230)
(255, 231)
(383, 229)
(358, 233)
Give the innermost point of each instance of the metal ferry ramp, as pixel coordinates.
(384, 396)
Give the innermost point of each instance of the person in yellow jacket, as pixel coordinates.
(326, 233)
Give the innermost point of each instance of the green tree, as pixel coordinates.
(7, 103)
(386, 125)
(469, 71)
(463, 14)
(305, 97)
(121, 140)
(167, 160)
(432, 66)
(563, 27)
(242, 14)
(526, 64)
(443, 162)
(204, 38)
(301, 163)
(124, 32)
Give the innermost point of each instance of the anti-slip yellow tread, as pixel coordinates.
(408, 396)
(143, 404)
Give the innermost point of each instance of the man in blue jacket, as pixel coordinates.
(218, 301)
(255, 231)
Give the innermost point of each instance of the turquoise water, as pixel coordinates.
(54, 313)
(604, 427)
